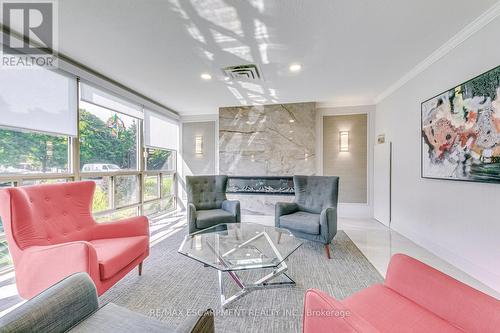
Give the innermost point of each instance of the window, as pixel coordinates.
(108, 140)
(126, 190)
(167, 182)
(102, 195)
(29, 152)
(151, 188)
(28, 182)
(117, 215)
(160, 159)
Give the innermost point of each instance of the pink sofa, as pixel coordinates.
(51, 234)
(414, 298)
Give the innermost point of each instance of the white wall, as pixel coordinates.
(457, 221)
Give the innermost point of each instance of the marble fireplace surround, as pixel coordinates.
(267, 140)
(266, 185)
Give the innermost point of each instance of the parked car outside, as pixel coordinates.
(100, 167)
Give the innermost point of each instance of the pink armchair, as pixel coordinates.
(51, 234)
(414, 298)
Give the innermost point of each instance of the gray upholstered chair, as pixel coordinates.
(207, 203)
(72, 306)
(313, 214)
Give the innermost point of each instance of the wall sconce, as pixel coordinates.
(344, 141)
(198, 145)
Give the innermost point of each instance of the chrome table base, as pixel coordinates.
(257, 285)
(262, 283)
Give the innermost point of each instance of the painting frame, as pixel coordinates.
(425, 147)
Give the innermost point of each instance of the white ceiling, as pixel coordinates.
(350, 50)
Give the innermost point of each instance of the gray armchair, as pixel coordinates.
(207, 203)
(72, 306)
(313, 214)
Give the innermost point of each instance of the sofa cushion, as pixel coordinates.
(114, 254)
(114, 318)
(211, 217)
(390, 312)
(301, 221)
(441, 294)
(325, 314)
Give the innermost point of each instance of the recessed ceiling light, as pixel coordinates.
(206, 76)
(291, 120)
(295, 67)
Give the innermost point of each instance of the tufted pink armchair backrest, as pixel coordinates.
(49, 214)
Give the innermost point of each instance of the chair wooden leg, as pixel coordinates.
(327, 250)
(140, 268)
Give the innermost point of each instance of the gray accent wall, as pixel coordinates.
(350, 166)
(198, 164)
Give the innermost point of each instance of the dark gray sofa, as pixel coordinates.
(207, 202)
(313, 214)
(72, 306)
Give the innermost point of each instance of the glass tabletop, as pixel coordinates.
(240, 246)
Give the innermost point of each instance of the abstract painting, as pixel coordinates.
(461, 131)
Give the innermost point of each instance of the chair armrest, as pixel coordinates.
(134, 226)
(56, 309)
(47, 265)
(325, 314)
(198, 324)
(191, 217)
(284, 208)
(233, 207)
(328, 223)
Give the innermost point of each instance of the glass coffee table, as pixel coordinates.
(234, 247)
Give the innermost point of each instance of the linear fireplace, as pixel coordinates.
(269, 185)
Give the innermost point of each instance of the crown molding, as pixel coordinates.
(469, 30)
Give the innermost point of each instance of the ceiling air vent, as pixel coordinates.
(243, 72)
